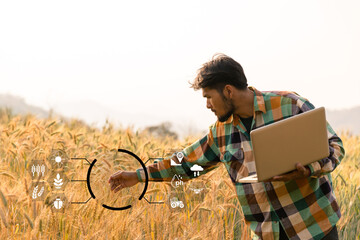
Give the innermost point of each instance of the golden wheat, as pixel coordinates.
(218, 216)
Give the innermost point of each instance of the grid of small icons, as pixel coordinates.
(49, 179)
(196, 189)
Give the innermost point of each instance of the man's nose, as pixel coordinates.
(208, 105)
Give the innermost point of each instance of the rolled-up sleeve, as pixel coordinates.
(336, 148)
(337, 153)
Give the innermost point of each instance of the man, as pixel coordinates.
(297, 205)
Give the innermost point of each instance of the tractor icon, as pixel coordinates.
(174, 202)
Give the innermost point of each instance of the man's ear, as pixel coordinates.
(228, 91)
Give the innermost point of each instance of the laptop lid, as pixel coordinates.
(279, 146)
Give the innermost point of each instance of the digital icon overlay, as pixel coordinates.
(58, 202)
(58, 180)
(196, 169)
(197, 190)
(175, 202)
(37, 169)
(176, 181)
(58, 159)
(38, 191)
(179, 157)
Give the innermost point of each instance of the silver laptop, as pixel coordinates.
(279, 146)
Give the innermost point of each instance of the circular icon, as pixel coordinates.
(145, 185)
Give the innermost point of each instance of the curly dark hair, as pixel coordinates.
(218, 72)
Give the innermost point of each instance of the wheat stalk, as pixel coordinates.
(142, 220)
(2, 215)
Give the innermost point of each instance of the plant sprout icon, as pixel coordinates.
(38, 169)
(196, 169)
(58, 182)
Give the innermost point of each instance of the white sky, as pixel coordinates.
(130, 61)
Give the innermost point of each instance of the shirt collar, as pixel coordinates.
(259, 103)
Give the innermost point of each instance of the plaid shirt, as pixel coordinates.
(306, 208)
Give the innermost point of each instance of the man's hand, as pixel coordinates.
(300, 172)
(122, 179)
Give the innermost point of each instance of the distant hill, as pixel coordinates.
(19, 106)
(345, 119)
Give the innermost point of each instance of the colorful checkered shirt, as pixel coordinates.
(306, 208)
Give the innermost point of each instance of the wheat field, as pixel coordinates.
(217, 216)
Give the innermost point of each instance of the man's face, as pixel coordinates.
(218, 103)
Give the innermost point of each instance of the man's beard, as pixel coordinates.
(231, 107)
